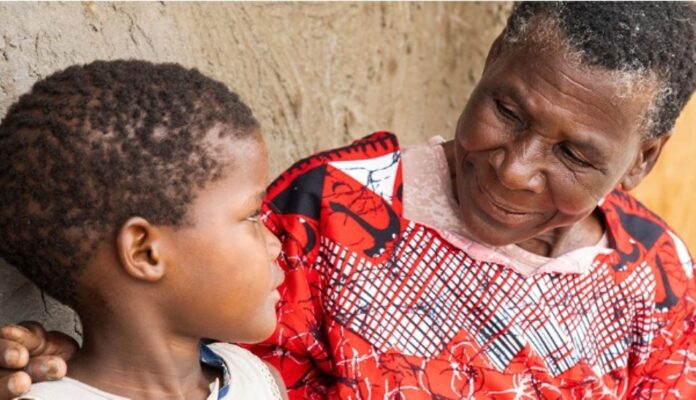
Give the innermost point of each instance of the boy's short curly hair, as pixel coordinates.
(641, 40)
(95, 144)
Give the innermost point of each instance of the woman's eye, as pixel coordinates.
(506, 112)
(570, 155)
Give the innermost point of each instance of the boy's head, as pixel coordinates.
(114, 150)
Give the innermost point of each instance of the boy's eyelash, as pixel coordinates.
(255, 217)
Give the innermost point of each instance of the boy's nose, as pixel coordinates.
(273, 244)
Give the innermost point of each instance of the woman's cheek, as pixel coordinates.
(491, 132)
(574, 202)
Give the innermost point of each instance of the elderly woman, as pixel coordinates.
(511, 262)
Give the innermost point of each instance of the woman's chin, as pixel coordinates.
(481, 232)
(492, 239)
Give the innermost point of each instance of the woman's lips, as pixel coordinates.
(497, 210)
(505, 208)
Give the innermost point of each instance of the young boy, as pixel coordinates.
(132, 192)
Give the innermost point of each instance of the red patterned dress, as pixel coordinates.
(375, 306)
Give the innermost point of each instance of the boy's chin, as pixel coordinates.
(258, 334)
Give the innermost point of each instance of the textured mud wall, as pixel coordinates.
(317, 75)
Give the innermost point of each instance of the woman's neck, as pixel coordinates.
(556, 242)
(137, 357)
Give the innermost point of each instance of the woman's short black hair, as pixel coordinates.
(647, 39)
(95, 144)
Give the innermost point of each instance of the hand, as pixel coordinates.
(30, 354)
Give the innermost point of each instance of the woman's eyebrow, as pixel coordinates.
(582, 139)
(511, 91)
(595, 155)
(586, 147)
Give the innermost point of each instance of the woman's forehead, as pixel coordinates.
(548, 78)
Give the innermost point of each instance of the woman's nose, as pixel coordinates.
(518, 167)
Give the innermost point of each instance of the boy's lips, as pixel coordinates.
(281, 278)
(275, 293)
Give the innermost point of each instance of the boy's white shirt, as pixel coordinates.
(245, 376)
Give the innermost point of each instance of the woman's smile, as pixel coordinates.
(494, 208)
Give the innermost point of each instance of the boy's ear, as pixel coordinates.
(138, 250)
(648, 154)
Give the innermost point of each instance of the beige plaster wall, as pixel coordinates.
(317, 75)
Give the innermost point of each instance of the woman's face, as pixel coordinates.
(540, 142)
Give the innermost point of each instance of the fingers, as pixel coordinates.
(13, 355)
(18, 343)
(14, 385)
(39, 368)
(36, 337)
(31, 335)
(46, 368)
(60, 345)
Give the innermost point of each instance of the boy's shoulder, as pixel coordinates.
(66, 389)
(245, 375)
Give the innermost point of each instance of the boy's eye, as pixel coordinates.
(255, 217)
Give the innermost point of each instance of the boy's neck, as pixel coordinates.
(139, 358)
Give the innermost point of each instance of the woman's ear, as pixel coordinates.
(138, 250)
(650, 150)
